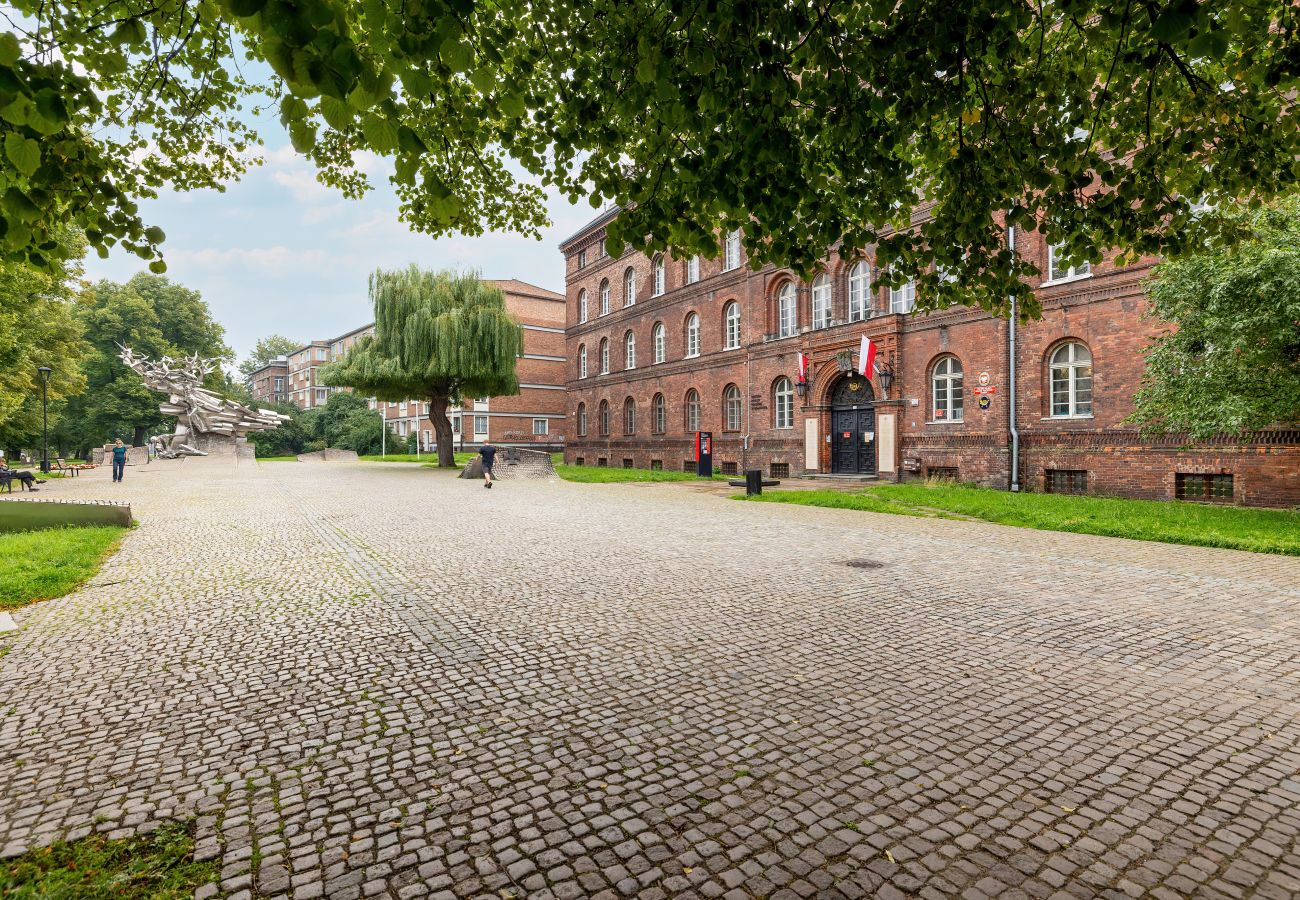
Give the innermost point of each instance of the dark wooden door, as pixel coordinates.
(853, 441)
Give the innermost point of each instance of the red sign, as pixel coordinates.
(991, 389)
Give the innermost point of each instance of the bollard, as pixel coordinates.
(753, 482)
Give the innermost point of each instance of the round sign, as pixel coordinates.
(984, 378)
(984, 401)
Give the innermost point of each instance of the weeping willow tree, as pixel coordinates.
(439, 336)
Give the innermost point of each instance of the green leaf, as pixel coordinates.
(155, 235)
(336, 112)
(380, 133)
(10, 49)
(23, 152)
(158, 266)
(302, 135)
(245, 7)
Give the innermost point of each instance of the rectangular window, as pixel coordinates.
(580, 460)
(455, 425)
(1066, 481)
(902, 299)
(779, 470)
(582, 259)
(730, 468)
(688, 465)
(656, 465)
(1058, 271)
(942, 473)
(480, 424)
(731, 254)
(602, 462)
(1195, 486)
(541, 426)
(693, 270)
(627, 462)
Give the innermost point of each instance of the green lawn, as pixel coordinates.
(427, 458)
(277, 459)
(159, 866)
(606, 475)
(1174, 522)
(39, 565)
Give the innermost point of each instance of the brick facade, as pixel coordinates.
(270, 384)
(897, 429)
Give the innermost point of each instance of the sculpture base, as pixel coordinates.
(221, 445)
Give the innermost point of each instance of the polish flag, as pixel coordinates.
(803, 367)
(866, 357)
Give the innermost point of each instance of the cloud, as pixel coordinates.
(277, 260)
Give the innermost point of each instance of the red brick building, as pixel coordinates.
(665, 347)
(270, 384)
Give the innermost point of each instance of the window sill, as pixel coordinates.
(945, 422)
(1052, 282)
(1066, 418)
(691, 356)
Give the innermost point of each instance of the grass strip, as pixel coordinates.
(40, 565)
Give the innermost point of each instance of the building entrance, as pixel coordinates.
(853, 427)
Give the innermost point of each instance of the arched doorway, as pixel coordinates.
(853, 426)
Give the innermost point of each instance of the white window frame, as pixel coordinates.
(1070, 273)
(602, 419)
(484, 421)
(541, 426)
(693, 269)
(582, 420)
(582, 259)
(659, 338)
(604, 356)
(629, 417)
(658, 414)
(946, 391)
(1071, 366)
(787, 311)
(731, 326)
(629, 350)
(783, 403)
(821, 301)
(629, 287)
(582, 306)
(660, 279)
(604, 297)
(731, 396)
(902, 299)
(731, 252)
(692, 408)
(692, 336)
(582, 360)
(860, 291)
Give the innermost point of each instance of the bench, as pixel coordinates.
(61, 466)
(767, 482)
(7, 480)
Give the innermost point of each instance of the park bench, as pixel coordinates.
(7, 480)
(75, 468)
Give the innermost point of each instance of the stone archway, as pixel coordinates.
(853, 426)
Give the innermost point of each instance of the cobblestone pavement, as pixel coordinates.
(381, 681)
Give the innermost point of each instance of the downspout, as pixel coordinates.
(1011, 367)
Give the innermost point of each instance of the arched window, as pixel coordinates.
(602, 418)
(859, 291)
(786, 319)
(692, 336)
(604, 297)
(629, 416)
(604, 356)
(1071, 376)
(658, 414)
(902, 299)
(660, 343)
(693, 269)
(946, 392)
(629, 350)
(732, 411)
(731, 252)
(821, 301)
(783, 403)
(659, 279)
(731, 326)
(582, 306)
(692, 411)
(582, 360)
(629, 287)
(582, 419)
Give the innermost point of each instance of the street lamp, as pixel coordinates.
(45, 419)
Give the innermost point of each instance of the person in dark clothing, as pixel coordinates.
(119, 459)
(28, 480)
(488, 454)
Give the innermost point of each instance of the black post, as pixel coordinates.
(45, 420)
(753, 482)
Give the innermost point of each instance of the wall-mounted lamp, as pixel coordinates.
(886, 374)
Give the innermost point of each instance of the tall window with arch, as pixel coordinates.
(602, 418)
(902, 299)
(692, 411)
(660, 278)
(629, 416)
(582, 419)
(693, 269)
(582, 360)
(660, 341)
(604, 356)
(629, 350)
(731, 252)
(783, 403)
(859, 291)
(692, 336)
(582, 305)
(604, 297)
(731, 326)
(732, 411)
(658, 414)
(1071, 381)
(629, 287)
(946, 390)
(821, 301)
(787, 320)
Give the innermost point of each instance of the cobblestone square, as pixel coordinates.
(376, 680)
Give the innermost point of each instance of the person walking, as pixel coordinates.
(119, 459)
(488, 454)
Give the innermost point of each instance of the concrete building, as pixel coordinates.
(662, 348)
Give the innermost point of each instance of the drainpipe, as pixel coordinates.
(1011, 388)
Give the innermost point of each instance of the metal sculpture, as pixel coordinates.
(198, 411)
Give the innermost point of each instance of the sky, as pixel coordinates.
(280, 253)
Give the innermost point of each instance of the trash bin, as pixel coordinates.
(753, 482)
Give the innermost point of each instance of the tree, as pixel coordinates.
(267, 348)
(154, 317)
(438, 337)
(803, 124)
(289, 439)
(1231, 360)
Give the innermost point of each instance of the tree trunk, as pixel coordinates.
(442, 430)
(138, 440)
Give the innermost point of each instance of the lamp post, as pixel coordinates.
(45, 419)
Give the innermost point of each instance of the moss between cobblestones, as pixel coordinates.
(158, 866)
(39, 565)
(1172, 522)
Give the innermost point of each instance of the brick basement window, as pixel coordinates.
(688, 465)
(780, 470)
(602, 462)
(627, 463)
(1195, 486)
(580, 460)
(656, 465)
(1066, 481)
(730, 468)
(945, 473)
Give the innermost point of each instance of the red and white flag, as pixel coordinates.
(866, 357)
(803, 366)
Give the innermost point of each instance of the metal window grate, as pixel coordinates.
(688, 465)
(730, 468)
(1066, 481)
(944, 473)
(780, 470)
(1198, 486)
(627, 463)
(656, 465)
(580, 460)
(602, 462)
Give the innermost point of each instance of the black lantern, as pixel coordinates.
(886, 374)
